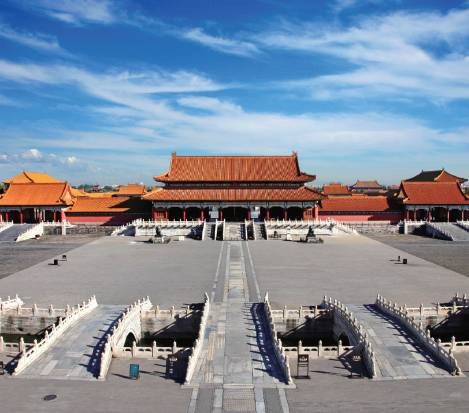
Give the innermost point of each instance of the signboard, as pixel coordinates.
(134, 371)
(302, 369)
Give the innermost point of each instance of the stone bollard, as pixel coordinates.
(134, 349)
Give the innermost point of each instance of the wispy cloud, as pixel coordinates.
(220, 44)
(408, 54)
(36, 41)
(75, 11)
(35, 156)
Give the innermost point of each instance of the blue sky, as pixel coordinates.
(104, 91)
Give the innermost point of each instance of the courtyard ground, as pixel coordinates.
(352, 269)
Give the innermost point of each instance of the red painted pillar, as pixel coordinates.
(6, 216)
(21, 216)
(55, 216)
(63, 217)
(202, 216)
(429, 215)
(407, 215)
(285, 214)
(184, 214)
(316, 212)
(249, 213)
(221, 214)
(267, 214)
(166, 214)
(154, 214)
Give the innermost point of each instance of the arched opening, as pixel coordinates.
(455, 215)
(276, 212)
(129, 340)
(295, 213)
(235, 214)
(175, 213)
(192, 213)
(344, 339)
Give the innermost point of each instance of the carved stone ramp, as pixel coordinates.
(398, 355)
(75, 355)
(237, 369)
(10, 234)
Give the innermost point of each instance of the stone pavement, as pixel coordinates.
(237, 369)
(398, 355)
(76, 355)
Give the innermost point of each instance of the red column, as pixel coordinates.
(6, 216)
(63, 217)
(447, 214)
(429, 215)
(249, 213)
(407, 215)
(267, 214)
(316, 212)
(154, 214)
(202, 216)
(285, 214)
(166, 214)
(184, 214)
(55, 216)
(220, 215)
(21, 216)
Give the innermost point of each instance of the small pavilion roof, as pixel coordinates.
(358, 204)
(42, 194)
(234, 169)
(439, 175)
(28, 177)
(236, 194)
(131, 189)
(432, 193)
(335, 189)
(366, 184)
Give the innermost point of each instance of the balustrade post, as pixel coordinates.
(339, 348)
(300, 347)
(2, 344)
(154, 350)
(134, 348)
(284, 312)
(453, 343)
(174, 347)
(21, 345)
(319, 348)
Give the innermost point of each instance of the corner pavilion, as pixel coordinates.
(234, 188)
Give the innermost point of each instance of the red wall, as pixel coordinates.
(391, 217)
(116, 219)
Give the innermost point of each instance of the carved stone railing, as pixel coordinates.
(10, 303)
(8, 347)
(75, 313)
(33, 232)
(356, 330)
(298, 313)
(435, 347)
(319, 351)
(277, 343)
(198, 343)
(148, 352)
(5, 225)
(121, 326)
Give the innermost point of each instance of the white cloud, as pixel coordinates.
(392, 55)
(209, 104)
(220, 44)
(32, 155)
(34, 40)
(75, 11)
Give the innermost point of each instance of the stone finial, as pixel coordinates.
(22, 346)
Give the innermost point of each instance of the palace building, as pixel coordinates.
(234, 188)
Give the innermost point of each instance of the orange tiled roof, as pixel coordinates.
(113, 204)
(131, 189)
(27, 177)
(335, 189)
(358, 204)
(76, 193)
(367, 184)
(432, 193)
(234, 169)
(439, 175)
(28, 194)
(233, 194)
(99, 194)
